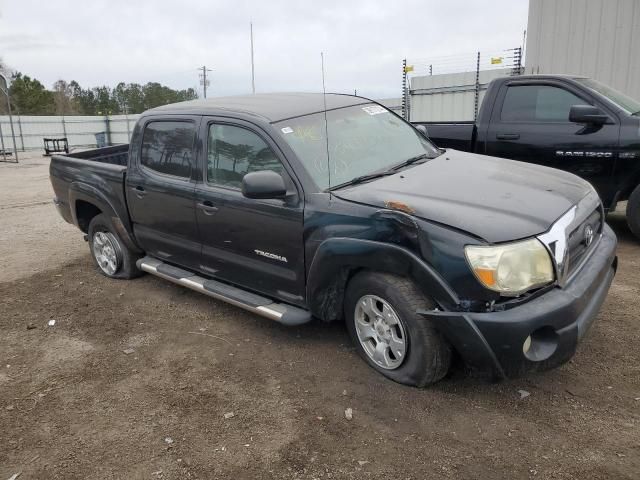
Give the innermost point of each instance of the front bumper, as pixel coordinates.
(556, 321)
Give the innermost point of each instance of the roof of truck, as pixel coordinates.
(271, 106)
(547, 75)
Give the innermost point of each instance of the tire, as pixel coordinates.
(427, 355)
(633, 212)
(116, 260)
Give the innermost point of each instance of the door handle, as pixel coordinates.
(139, 191)
(207, 207)
(507, 136)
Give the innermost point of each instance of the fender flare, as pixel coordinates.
(336, 258)
(87, 193)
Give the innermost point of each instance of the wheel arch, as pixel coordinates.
(84, 212)
(87, 201)
(337, 260)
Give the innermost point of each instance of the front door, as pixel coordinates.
(160, 191)
(530, 122)
(256, 244)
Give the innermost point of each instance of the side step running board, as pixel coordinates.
(280, 312)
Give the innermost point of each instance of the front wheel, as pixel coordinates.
(112, 257)
(633, 212)
(380, 311)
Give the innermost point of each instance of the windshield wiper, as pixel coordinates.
(409, 161)
(636, 113)
(364, 178)
(383, 173)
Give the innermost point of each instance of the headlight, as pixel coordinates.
(513, 268)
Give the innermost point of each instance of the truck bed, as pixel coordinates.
(116, 155)
(74, 178)
(457, 135)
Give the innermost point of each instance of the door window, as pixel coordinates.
(235, 151)
(538, 103)
(167, 148)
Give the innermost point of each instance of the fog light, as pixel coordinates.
(541, 344)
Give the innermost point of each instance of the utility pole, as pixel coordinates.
(253, 78)
(203, 79)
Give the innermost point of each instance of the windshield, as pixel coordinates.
(626, 103)
(363, 139)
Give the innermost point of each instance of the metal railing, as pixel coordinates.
(456, 73)
(80, 131)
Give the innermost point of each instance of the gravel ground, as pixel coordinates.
(33, 236)
(145, 379)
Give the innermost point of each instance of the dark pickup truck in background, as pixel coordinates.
(570, 123)
(301, 206)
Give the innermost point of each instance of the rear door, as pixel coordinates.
(256, 244)
(161, 188)
(530, 122)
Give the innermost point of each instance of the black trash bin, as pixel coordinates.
(101, 139)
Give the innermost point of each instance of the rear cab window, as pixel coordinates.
(167, 148)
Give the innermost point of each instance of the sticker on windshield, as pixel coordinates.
(374, 109)
(287, 130)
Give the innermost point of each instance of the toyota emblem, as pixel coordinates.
(588, 235)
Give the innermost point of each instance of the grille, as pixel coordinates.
(566, 239)
(577, 247)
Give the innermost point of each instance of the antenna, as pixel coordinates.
(326, 127)
(253, 77)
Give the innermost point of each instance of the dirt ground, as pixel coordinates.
(135, 378)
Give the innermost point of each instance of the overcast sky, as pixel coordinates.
(104, 42)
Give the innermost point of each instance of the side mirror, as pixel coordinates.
(263, 184)
(587, 114)
(423, 130)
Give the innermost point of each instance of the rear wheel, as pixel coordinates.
(380, 311)
(633, 212)
(112, 257)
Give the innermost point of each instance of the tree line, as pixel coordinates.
(30, 97)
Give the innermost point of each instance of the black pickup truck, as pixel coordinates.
(571, 123)
(295, 206)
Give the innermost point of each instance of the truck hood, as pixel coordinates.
(492, 198)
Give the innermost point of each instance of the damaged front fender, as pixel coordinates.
(337, 258)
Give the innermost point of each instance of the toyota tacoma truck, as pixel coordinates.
(571, 123)
(301, 206)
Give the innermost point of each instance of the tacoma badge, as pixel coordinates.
(271, 255)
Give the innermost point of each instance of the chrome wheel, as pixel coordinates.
(380, 332)
(106, 251)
